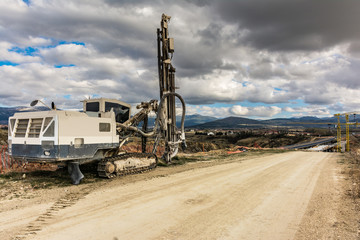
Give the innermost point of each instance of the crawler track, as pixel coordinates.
(102, 165)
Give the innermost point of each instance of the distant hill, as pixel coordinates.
(305, 122)
(197, 121)
(6, 112)
(190, 120)
(230, 123)
(239, 122)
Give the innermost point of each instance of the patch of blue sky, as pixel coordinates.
(27, 2)
(28, 51)
(8, 63)
(245, 83)
(67, 96)
(279, 90)
(62, 42)
(64, 65)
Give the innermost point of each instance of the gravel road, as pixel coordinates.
(269, 197)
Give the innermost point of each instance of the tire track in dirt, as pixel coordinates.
(64, 202)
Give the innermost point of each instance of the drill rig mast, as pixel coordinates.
(165, 124)
(167, 91)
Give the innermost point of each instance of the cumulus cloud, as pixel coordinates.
(308, 111)
(235, 110)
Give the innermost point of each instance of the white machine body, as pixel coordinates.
(56, 135)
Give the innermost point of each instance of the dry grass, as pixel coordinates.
(42, 179)
(353, 160)
(3, 137)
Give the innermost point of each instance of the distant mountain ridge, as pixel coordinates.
(229, 122)
(197, 121)
(6, 112)
(240, 122)
(190, 120)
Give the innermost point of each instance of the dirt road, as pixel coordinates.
(267, 197)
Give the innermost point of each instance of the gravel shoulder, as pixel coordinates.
(332, 213)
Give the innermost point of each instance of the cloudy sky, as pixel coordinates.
(249, 58)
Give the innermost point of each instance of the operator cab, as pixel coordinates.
(93, 107)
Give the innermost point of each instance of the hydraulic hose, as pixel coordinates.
(183, 107)
(135, 129)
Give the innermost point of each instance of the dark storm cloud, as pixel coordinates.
(265, 69)
(197, 62)
(205, 51)
(211, 34)
(200, 3)
(294, 25)
(354, 49)
(126, 3)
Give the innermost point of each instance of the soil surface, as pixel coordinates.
(292, 195)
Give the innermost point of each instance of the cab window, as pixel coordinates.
(122, 113)
(92, 107)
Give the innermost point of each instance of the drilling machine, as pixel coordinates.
(70, 138)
